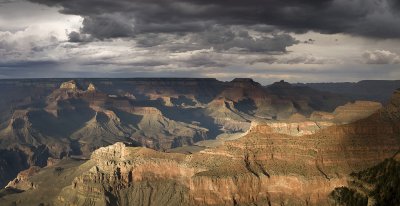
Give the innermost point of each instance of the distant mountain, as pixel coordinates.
(371, 90)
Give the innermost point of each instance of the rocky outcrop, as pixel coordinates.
(392, 110)
(225, 113)
(103, 129)
(159, 132)
(70, 85)
(91, 88)
(22, 182)
(322, 116)
(244, 83)
(147, 111)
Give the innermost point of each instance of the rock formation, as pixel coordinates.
(70, 85)
(91, 88)
(21, 182)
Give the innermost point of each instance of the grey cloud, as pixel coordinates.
(222, 38)
(381, 57)
(267, 59)
(306, 59)
(293, 60)
(148, 63)
(205, 59)
(150, 40)
(79, 37)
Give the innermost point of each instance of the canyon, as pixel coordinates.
(153, 142)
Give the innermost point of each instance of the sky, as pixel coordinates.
(267, 40)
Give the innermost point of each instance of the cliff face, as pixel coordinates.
(290, 128)
(141, 176)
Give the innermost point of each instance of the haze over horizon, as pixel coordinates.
(294, 40)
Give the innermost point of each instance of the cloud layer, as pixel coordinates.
(296, 40)
(122, 18)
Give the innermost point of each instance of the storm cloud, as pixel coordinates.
(120, 18)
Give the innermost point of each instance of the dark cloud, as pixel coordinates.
(220, 39)
(107, 26)
(223, 38)
(120, 18)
